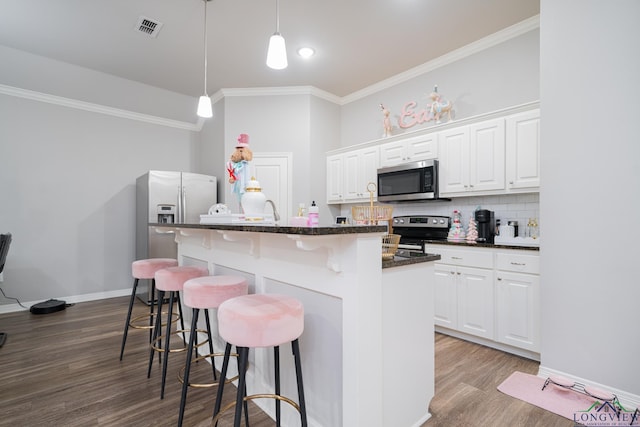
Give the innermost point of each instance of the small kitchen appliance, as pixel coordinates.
(486, 226)
(418, 230)
(409, 181)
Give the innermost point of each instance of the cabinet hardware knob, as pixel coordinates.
(499, 278)
(511, 182)
(455, 257)
(517, 263)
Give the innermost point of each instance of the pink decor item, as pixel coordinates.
(243, 140)
(560, 398)
(261, 320)
(146, 268)
(173, 278)
(211, 291)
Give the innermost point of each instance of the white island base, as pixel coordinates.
(368, 344)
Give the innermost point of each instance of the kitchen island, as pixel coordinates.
(367, 349)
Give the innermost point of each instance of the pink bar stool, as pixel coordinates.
(169, 280)
(261, 320)
(203, 293)
(143, 269)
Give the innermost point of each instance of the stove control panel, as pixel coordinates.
(422, 221)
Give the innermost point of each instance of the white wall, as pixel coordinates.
(590, 105)
(68, 170)
(501, 76)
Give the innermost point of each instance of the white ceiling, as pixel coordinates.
(358, 42)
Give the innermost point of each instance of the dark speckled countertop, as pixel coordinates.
(482, 245)
(279, 229)
(398, 261)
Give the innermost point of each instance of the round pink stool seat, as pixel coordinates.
(211, 291)
(173, 278)
(261, 320)
(146, 268)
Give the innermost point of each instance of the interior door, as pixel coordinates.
(273, 170)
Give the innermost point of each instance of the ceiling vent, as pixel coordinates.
(148, 26)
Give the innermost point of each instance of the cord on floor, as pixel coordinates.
(15, 299)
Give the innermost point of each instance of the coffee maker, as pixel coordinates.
(486, 226)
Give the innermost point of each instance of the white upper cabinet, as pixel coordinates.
(497, 155)
(412, 149)
(523, 151)
(335, 178)
(348, 175)
(472, 158)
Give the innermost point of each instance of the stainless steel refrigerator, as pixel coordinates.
(173, 198)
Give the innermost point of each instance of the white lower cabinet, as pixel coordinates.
(463, 292)
(518, 301)
(489, 293)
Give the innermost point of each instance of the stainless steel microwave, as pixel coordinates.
(409, 181)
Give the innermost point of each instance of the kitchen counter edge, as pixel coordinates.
(482, 245)
(279, 229)
(400, 261)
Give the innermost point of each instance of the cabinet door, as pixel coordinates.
(369, 160)
(523, 150)
(422, 147)
(518, 310)
(445, 296)
(475, 301)
(352, 187)
(454, 160)
(486, 156)
(335, 183)
(393, 153)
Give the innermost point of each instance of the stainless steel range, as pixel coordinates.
(416, 231)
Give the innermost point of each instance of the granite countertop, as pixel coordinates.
(279, 229)
(398, 261)
(482, 245)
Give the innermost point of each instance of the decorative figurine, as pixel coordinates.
(238, 166)
(456, 232)
(472, 230)
(386, 123)
(439, 106)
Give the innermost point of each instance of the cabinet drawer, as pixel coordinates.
(467, 258)
(519, 263)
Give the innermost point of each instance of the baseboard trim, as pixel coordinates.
(11, 308)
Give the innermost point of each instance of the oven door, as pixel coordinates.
(412, 181)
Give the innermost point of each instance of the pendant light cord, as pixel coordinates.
(277, 16)
(205, 47)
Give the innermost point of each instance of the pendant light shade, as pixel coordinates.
(277, 51)
(204, 103)
(204, 107)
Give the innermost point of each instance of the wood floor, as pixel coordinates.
(63, 369)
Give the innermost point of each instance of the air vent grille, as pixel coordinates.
(148, 26)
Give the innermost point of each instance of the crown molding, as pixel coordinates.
(279, 91)
(96, 108)
(453, 56)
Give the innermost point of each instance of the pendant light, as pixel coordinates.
(204, 104)
(277, 51)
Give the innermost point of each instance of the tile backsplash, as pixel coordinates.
(516, 207)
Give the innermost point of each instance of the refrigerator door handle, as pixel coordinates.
(179, 203)
(184, 205)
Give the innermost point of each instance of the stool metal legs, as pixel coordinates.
(242, 398)
(127, 324)
(157, 330)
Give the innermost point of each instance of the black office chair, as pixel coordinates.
(5, 241)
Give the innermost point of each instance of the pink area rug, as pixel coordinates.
(575, 406)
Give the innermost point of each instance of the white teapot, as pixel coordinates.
(253, 201)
